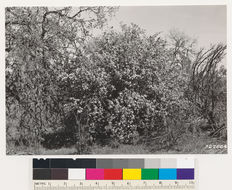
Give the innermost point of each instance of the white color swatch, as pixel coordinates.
(76, 173)
(185, 163)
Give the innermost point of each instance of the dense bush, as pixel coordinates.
(122, 86)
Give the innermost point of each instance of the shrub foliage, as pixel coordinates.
(65, 87)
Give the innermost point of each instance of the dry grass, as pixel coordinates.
(122, 149)
(188, 144)
(40, 151)
(200, 145)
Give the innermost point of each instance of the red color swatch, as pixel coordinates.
(113, 174)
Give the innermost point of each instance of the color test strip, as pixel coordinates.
(104, 163)
(59, 173)
(113, 174)
(167, 174)
(41, 174)
(185, 173)
(113, 169)
(94, 174)
(135, 163)
(120, 163)
(152, 163)
(62, 163)
(114, 163)
(131, 174)
(168, 163)
(185, 163)
(76, 174)
(152, 174)
(71, 163)
(41, 163)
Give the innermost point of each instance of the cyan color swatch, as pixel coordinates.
(167, 174)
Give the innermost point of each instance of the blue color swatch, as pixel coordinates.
(167, 174)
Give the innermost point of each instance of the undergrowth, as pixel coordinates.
(188, 144)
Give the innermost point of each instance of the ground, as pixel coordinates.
(189, 145)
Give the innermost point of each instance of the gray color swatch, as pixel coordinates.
(104, 163)
(120, 163)
(136, 163)
(168, 163)
(152, 163)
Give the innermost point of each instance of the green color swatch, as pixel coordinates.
(150, 174)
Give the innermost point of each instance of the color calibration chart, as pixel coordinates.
(74, 174)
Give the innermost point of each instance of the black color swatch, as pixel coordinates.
(41, 174)
(70, 163)
(41, 163)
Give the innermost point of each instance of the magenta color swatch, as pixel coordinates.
(94, 174)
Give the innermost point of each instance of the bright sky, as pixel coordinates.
(205, 23)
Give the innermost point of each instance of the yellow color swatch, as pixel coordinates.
(131, 174)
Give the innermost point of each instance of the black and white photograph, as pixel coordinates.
(116, 80)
